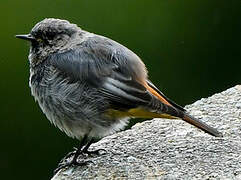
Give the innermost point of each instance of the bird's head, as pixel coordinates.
(49, 36)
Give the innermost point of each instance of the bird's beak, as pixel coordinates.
(27, 37)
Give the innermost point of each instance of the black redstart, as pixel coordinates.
(89, 85)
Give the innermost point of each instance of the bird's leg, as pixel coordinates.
(74, 161)
(83, 149)
(96, 152)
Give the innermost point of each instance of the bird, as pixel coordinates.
(89, 85)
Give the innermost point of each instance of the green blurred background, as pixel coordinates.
(192, 49)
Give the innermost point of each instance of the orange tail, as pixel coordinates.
(186, 117)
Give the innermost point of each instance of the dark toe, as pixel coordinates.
(63, 165)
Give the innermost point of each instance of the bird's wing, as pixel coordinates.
(118, 74)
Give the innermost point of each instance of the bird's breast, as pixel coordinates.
(58, 100)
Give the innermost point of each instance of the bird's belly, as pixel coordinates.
(76, 114)
(61, 110)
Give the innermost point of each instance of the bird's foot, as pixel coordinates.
(65, 162)
(67, 156)
(73, 163)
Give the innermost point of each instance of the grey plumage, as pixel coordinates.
(77, 76)
(74, 83)
(89, 85)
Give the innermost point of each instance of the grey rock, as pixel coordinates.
(172, 149)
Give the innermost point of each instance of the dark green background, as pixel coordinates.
(192, 49)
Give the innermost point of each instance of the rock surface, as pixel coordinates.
(172, 149)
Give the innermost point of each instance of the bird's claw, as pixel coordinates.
(65, 162)
(63, 165)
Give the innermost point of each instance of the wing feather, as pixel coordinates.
(108, 67)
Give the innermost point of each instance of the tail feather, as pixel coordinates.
(208, 129)
(164, 105)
